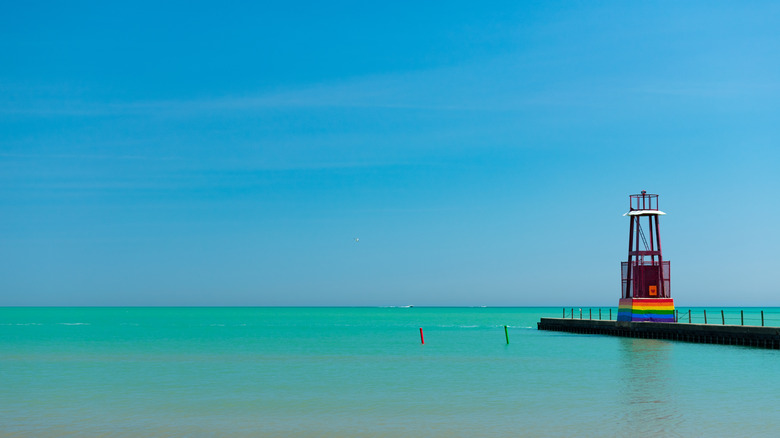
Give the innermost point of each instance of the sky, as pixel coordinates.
(377, 154)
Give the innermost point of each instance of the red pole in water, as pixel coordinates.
(422, 340)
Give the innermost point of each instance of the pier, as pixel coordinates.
(749, 336)
(646, 308)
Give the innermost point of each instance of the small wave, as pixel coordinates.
(21, 323)
(74, 323)
(216, 325)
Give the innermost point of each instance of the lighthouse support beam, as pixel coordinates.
(628, 268)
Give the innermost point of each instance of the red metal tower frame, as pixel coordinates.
(645, 274)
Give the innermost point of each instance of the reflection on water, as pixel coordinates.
(647, 393)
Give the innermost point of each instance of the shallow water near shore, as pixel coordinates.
(363, 372)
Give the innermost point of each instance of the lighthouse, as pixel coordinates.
(645, 275)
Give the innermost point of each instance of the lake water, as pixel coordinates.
(351, 372)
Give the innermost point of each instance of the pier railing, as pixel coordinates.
(692, 315)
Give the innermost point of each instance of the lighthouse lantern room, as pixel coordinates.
(645, 276)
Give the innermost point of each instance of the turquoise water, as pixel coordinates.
(363, 372)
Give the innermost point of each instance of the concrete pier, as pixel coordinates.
(752, 336)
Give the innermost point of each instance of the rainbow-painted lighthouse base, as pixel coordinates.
(646, 309)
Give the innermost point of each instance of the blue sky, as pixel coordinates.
(229, 154)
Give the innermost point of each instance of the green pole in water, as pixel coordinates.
(506, 333)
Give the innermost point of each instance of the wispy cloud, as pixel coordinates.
(509, 83)
(85, 156)
(498, 85)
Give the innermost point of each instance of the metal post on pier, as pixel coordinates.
(762, 318)
(742, 317)
(689, 316)
(705, 316)
(722, 317)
